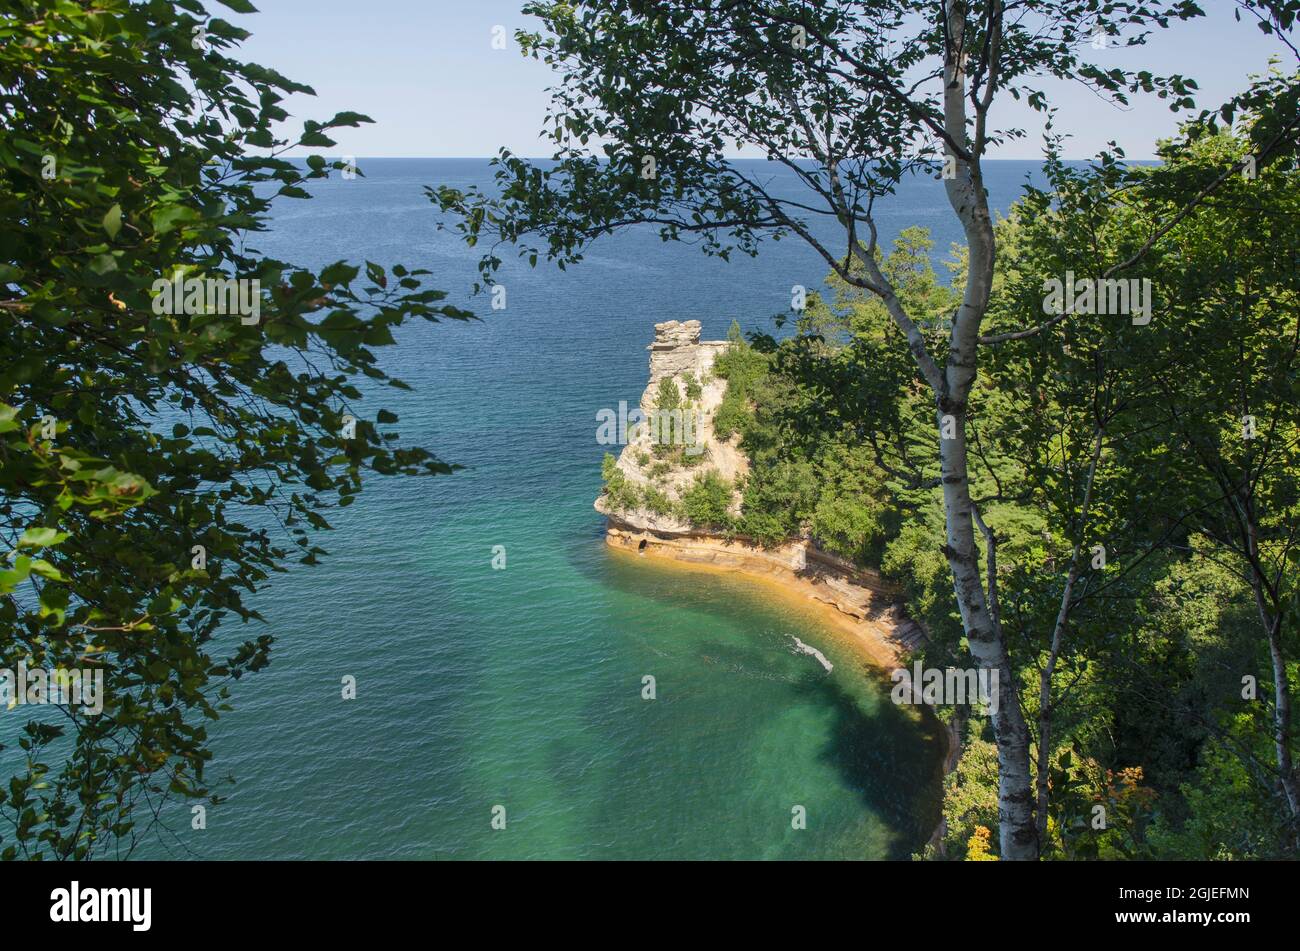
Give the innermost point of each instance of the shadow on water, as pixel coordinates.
(890, 756)
(889, 742)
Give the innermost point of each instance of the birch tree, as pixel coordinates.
(850, 97)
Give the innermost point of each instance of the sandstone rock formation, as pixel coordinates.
(677, 353)
(677, 349)
(862, 601)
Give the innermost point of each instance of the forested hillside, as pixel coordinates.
(1138, 494)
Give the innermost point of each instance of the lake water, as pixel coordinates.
(521, 688)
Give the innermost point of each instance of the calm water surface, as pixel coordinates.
(522, 688)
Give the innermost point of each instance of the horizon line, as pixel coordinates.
(730, 158)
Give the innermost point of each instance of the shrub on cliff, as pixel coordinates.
(741, 366)
(669, 395)
(707, 503)
(620, 493)
(655, 500)
(668, 420)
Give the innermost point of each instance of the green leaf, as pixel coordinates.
(349, 119)
(47, 570)
(168, 217)
(113, 221)
(40, 537)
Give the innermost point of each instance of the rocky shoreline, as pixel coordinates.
(865, 605)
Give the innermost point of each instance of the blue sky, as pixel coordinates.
(426, 72)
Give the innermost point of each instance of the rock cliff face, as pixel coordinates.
(861, 600)
(654, 458)
(677, 350)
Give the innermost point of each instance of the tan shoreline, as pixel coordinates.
(854, 602)
(867, 645)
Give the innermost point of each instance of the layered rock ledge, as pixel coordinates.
(864, 605)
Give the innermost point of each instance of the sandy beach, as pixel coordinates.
(851, 600)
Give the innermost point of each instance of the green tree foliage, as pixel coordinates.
(669, 395)
(970, 800)
(707, 501)
(831, 417)
(1192, 421)
(1142, 706)
(740, 365)
(157, 468)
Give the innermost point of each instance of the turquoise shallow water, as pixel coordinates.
(522, 687)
